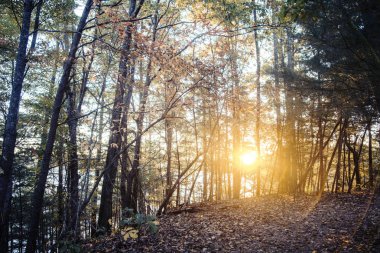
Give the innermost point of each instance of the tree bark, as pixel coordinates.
(60, 193)
(38, 194)
(74, 111)
(10, 130)
(370, 162)
(105, 209)
(258, 103)
(133, 183)
(236, 132)
(124, 126)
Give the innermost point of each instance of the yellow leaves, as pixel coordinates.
(130, 232)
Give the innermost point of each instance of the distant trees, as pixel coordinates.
(343, 67)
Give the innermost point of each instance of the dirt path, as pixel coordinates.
(336, 223)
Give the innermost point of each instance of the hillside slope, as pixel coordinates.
(335, 223)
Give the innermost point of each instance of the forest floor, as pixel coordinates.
(275, 223)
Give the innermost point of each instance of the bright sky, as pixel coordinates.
(78, 11)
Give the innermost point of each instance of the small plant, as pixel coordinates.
(137, 224)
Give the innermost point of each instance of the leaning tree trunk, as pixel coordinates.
(37, 199)
(10, 130)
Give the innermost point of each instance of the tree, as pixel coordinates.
(39, 190)
(105, 209)
(10, 131)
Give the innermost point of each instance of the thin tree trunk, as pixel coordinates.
(124, 131)
(321, 137)
(169, 140)
(73, 164)
(36, 26)
(290, 117)
(370, 162)
(133, 182)
(258, 104)
(60, 193)
(344, 162)
(97, 165)
(325, 174)
(178, 197)
(219, 189)
(277, 102)
(99, 149)
(174, 186)
(37, 200)
(236, 133)
(205, 157)
(105, 209)
(356, 156)
(338, 164)
(10, 129)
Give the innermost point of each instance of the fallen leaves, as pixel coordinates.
(129, 232)
(264, 224)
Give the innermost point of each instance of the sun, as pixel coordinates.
(249, 157)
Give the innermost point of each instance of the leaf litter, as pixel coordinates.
(272, 223)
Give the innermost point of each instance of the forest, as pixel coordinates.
(189, 126)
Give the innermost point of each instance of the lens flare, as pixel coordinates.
(248, 158)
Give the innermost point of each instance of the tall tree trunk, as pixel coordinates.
(277, 101)
(60, 151)
(206, 156)
(10, 129)
(98, 164)
(356, 157)
(338, 164)
(105, 209)
(73, 164)
(326, 172)
(290, 117)
(344, 161)
(258, 104)
(74, 111)
(228, 167)
(320, 138)
(37, 200)
(169, 141)
(178, 196)
(220, 168)
(124, 131)
(236, 132)
(133, 182)
(370, 162)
